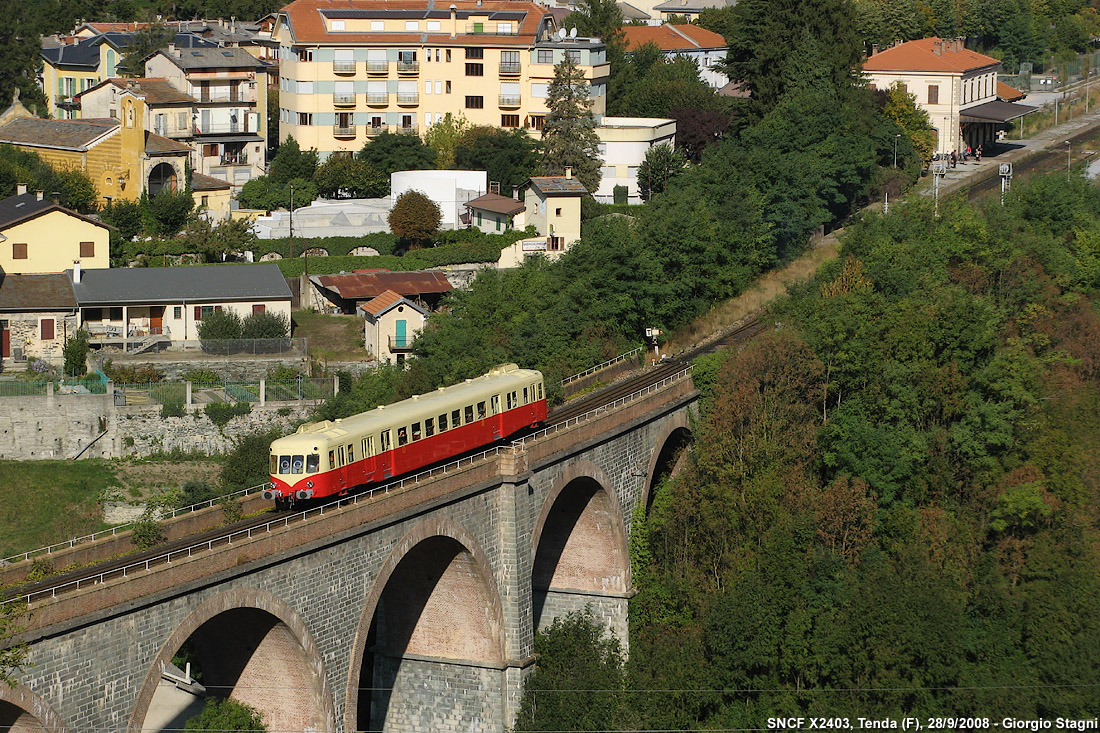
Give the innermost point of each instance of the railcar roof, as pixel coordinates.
(501, 379)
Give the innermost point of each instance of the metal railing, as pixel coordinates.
(400, 343)
(602, 365)
(339, 504)
(493, 29)
(408, 67)
(343, 99)
(407, 130)
(235, 158)
(343, 67)
(114, 531)
(509, 68)
(408, 97)
(378, 98)
(509, 100)
(373, 130)
(378, 67)
(343, 131)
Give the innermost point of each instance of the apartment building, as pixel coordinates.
(352, 69)
(228, 125)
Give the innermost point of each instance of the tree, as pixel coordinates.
(578, 679)
(76, 354)
(264, 193)
(569, 132)
(291, 162)
(215, 241)
(220, 325)
(443, 136)
(509, 157)
(126, 216)
(662, 163)
(169, 210)
(144, 44)
(343, 176)
(225, 715)
(12, 657)
(265, 325)
(246, 464)
(414, 218)
(389, 152)
(902, 108)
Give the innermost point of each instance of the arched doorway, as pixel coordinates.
(162, 178)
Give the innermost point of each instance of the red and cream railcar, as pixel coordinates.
(326, 458)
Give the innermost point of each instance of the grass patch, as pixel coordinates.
(331, 338)
(43, 502)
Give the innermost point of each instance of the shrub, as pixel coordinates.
(76, 354)
(220, 413)
(132, 373)
(173, 409)
(195, 492)
(620, 194)
(246, 465)
(226, 715)
(265, 326)
(201, 376)
(414, 218)
(282, 372)
(221, 324)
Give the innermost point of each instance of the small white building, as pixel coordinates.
(450, 189)
(493, 213)
(392, 323)
(623, 145)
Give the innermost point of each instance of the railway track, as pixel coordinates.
(173, 551)
(1041, 162)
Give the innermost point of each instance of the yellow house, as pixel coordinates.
(349, 71)
(391, 324)
(71, 69)
(39, 236)
(552, 205)
(212, 196)
(119, 156)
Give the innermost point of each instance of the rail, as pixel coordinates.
(114, 531)
(319, 511)
(604, 365)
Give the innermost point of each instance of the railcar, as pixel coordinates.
(333, 456)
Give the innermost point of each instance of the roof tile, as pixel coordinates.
(672, 37)
(928, 54)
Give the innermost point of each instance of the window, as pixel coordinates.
(573, 55)
(475, 69)
(433, 25)
(305, 54)
(607, 171)
(448, 55)
(442, 422)
(305, 87)
(456, 419)
(499, 222)
(480, 410)
(258, 308)
(378, 25)
(540, 91)
(539, 385)
(385, 440)
(933, 93)
(341, 456)
(557, 212)
(205, 202)
(509, 120)
(535, 121)
(448, 86)
(177, 312)
(494, 404)
(429, 427)
(402, 436)
(475, 102)
(504, 28)
(468, 413)
(332, 459)
(475, 53)
(313, 463)
(46, 324)
(904, 89)
(416, 431)
(305, 118)
(545, 56)
(368, 446)
(351, 453)
(337, 25)
(201, 311)
(439, 87)
(87, 249)
(525, 398)
(19, 251)
(412, 25)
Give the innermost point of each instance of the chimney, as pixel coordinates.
(56, 196)
(568, 171)
(874, 49)
(76, 272)
(937, 47)
(173, 51)
(20, 189)
(454, 20)
(38, 195)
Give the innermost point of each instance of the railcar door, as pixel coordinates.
(385, 453)
(497, 416)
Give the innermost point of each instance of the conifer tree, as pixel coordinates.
(569, 131)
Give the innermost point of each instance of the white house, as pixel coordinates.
(392, 323)
(623, 145)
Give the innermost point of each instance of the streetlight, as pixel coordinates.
(896, 149)
(1069, 157)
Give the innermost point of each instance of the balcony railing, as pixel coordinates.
(509, 100)
(408, 98)
(343, 99)
(373, 130)
(407, 129)
(378, 98)
(234, 158)
(408, 67)
(222, 128)
(343, 67)
(378, 67)
(64, 100)
(509, 68)
(400, 344)
(343, 130)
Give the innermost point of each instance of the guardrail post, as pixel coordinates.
(188, 399)
(335, 385)
(263, 391)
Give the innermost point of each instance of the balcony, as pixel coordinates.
(509, 68)
(224, 128)
(400, 343)
(407, 130)
(408, 99)
(344, 131)
(509, 101)
(343, 99)
(240, 158)
(378, 67)
(378, 99)
(408, 68)
(66, 101)
(375, 130)
(343, 67)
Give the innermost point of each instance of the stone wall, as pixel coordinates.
(26, 335)
(140, 430)
(233, 368)
(40, 427)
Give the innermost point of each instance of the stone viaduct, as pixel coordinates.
(414, 610)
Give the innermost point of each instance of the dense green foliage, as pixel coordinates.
(75, 189)
(347, 177)
(389, 152)
(569, 133)
(220, 413)
(414, 219)
(223, 714)
(76, 354)
(246, 465)
(662, 163)
(509, 157)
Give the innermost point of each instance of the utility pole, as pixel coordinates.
(896, 149)
(939, 170)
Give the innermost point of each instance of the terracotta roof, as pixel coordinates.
(307, 21)
(929, 54)
(63, 134)
(672, 37)
(23, 293)
(20, 208)
(364, 286)
(158, 145)
(496, 203)
(154, 91)
(1008, 94)
(386, 301)
(203, 182)
(558, 185)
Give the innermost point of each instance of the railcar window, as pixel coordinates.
(341, 449)
(429, 427)
(494, 404)
(273, 466)
(368, 446)
(332, 459)
(480, 410)
(509, 401)
(313, 462)
(442, 422)
(386, 438)
(416, 431)
(351, 453)
(540, 390)
(284, 464)
(297, 464)
(469, 414)
(402, 436)
(456, 419)
(525, 400)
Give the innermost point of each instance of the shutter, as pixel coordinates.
(47, 329)
(198, 312)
